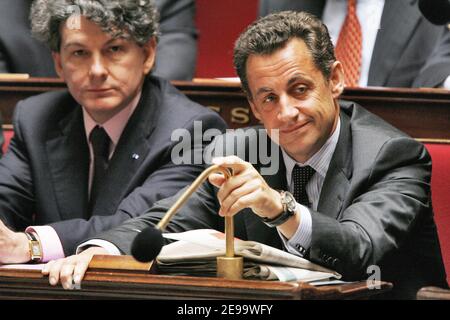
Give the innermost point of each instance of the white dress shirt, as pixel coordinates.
(320, 161)
(369, 15)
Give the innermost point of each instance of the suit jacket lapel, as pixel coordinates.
(337, 179)
(130, 153)
(68, 157)
(397, 25)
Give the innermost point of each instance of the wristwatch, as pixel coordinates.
(289, 205)
(35, 247)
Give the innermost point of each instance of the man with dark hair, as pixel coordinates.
(176, 50)
(85, 160)
(351, 192)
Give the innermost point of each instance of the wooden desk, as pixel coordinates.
(125, 284)
(422, 113)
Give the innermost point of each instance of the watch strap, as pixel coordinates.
(288, 211)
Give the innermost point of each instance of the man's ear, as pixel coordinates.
(57, 63)
(337, 79)
(150, 55)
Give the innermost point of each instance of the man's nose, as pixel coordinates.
(288, 108)
(98, 68)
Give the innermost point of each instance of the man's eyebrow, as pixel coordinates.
(263, 90)
(80, 44)
(296, 78)
(73, 44)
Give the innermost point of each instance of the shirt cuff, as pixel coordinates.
(51, 244)
(300, 242)
(446, 83)
(108, 246)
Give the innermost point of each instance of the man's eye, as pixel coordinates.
(79, 53)
(269, 98)
(115, 49)
(300, 89)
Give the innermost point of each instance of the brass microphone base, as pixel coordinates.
(231, 268)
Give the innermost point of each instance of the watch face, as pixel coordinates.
(290, 202)
(36, 251)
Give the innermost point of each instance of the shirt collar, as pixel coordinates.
(114, 126)
(320, 161)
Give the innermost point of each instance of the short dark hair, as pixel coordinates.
(137, 19)
(272, 32)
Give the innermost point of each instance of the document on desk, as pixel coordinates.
(27, 266)
(195, 252)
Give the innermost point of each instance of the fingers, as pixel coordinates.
(52, 269)
(238, 198)
(60, 270)
(237, 164)
(217, 179)
(69, 271)
(245, 180)
(66, 276)
(244, 197)
(79, 271)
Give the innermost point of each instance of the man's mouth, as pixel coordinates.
(99, 90)
(293, 128)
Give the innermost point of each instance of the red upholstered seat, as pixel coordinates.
(219, 24)
(440, 192)
(7, 134)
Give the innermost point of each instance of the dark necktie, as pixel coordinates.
(349, 46)
(300, 177)
(100, 145)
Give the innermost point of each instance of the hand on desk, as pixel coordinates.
(14, 246)
(70, 271)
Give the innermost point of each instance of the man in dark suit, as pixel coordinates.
(408, 51)
(345, 189)
(176, 51)
(85, 160)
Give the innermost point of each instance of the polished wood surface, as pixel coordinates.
(422, 113)
(433, 293)
(105, 281)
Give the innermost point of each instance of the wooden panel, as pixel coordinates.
(433, 293)
(106, 282)
(422, 113)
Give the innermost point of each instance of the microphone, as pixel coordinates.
(436, 11)
(147, 244)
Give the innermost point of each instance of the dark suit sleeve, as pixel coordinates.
(392, 201)
(437, 67)
(2, 138)
(3, 64)
(199, 212)
(16, 186)
(163, 183)
(177, 48)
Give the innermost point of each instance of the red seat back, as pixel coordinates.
(7, 134)
(219, 23)
(440, 190)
